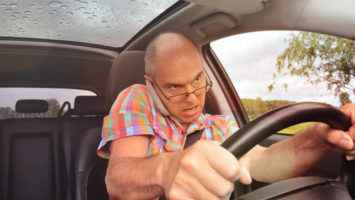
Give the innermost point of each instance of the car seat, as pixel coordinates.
(90, 169)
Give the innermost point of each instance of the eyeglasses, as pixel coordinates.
(181, 97)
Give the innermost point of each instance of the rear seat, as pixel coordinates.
(127, 69)
(87, 113)
(31, 154)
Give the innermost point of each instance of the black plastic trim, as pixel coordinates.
(227, 86)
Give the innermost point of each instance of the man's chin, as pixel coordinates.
(188, 117)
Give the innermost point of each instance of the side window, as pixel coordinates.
(270, 69)
(54, 96)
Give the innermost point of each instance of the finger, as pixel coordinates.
(351, 132)
(223, 161)
(350, 153)
(349, 109)
(350, 158)
(214, 182)
(245, 176)
(192, 189)
(340, 139)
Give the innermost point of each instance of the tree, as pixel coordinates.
(53, 108)
(344, 98)
(319, 58)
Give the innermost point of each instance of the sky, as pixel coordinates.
(250, 60)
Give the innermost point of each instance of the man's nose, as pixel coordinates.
(191, 96)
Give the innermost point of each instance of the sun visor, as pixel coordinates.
(237, 7)
(214, 25)
(334, 17)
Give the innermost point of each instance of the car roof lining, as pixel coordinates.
(276, 15)
(44, 64)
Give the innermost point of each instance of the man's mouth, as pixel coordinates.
(190, 111)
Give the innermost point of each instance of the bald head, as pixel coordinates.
(167, 46)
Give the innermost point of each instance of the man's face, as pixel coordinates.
(181, 72)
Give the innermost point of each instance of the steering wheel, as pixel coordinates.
(259, 129)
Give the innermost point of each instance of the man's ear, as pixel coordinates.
(156, 99)
(146, 77)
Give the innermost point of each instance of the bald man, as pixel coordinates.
(145, 133)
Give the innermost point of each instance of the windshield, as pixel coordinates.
(103, 22)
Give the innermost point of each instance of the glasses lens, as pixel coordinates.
(177, 98)
(200, 91)
(182, 97)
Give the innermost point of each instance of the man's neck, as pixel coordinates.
(185, 126)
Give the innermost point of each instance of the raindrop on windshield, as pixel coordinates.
(81, 1)
(13, 5)
(80, 8)
(55, 3)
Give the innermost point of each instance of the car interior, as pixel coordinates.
(55, 158)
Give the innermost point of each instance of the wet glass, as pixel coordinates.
(104, 22)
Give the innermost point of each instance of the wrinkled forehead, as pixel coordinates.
(182, 74)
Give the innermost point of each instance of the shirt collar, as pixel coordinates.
(198, 124)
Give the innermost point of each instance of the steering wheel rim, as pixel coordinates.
(262, 127)
(269, 123)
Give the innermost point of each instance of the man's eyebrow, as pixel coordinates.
(179, 84)
(173, 84)
(199, 74)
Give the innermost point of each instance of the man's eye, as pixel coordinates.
(198, 79)
(174, 87)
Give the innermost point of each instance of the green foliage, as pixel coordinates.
(344, 98)
(256, 107)
(53, 108)
(318, 58)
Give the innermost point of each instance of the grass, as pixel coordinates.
(290, 130)
(296, 128)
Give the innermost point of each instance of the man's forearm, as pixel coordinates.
(288, 158)
(135, 178)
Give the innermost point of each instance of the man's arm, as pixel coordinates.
(294, 156)
(203, 171)
(129, 170)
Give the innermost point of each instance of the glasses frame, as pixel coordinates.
(186, 94)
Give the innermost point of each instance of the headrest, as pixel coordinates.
(31, 106)
(89, 105)
(126, 70)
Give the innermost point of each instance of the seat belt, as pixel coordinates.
(192, 138)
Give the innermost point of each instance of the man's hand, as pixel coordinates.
(337, 140)
(203, 171)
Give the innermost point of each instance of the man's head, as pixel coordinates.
(174, 66)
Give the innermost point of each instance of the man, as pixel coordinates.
(145, 147)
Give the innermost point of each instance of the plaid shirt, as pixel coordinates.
(134, 113)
